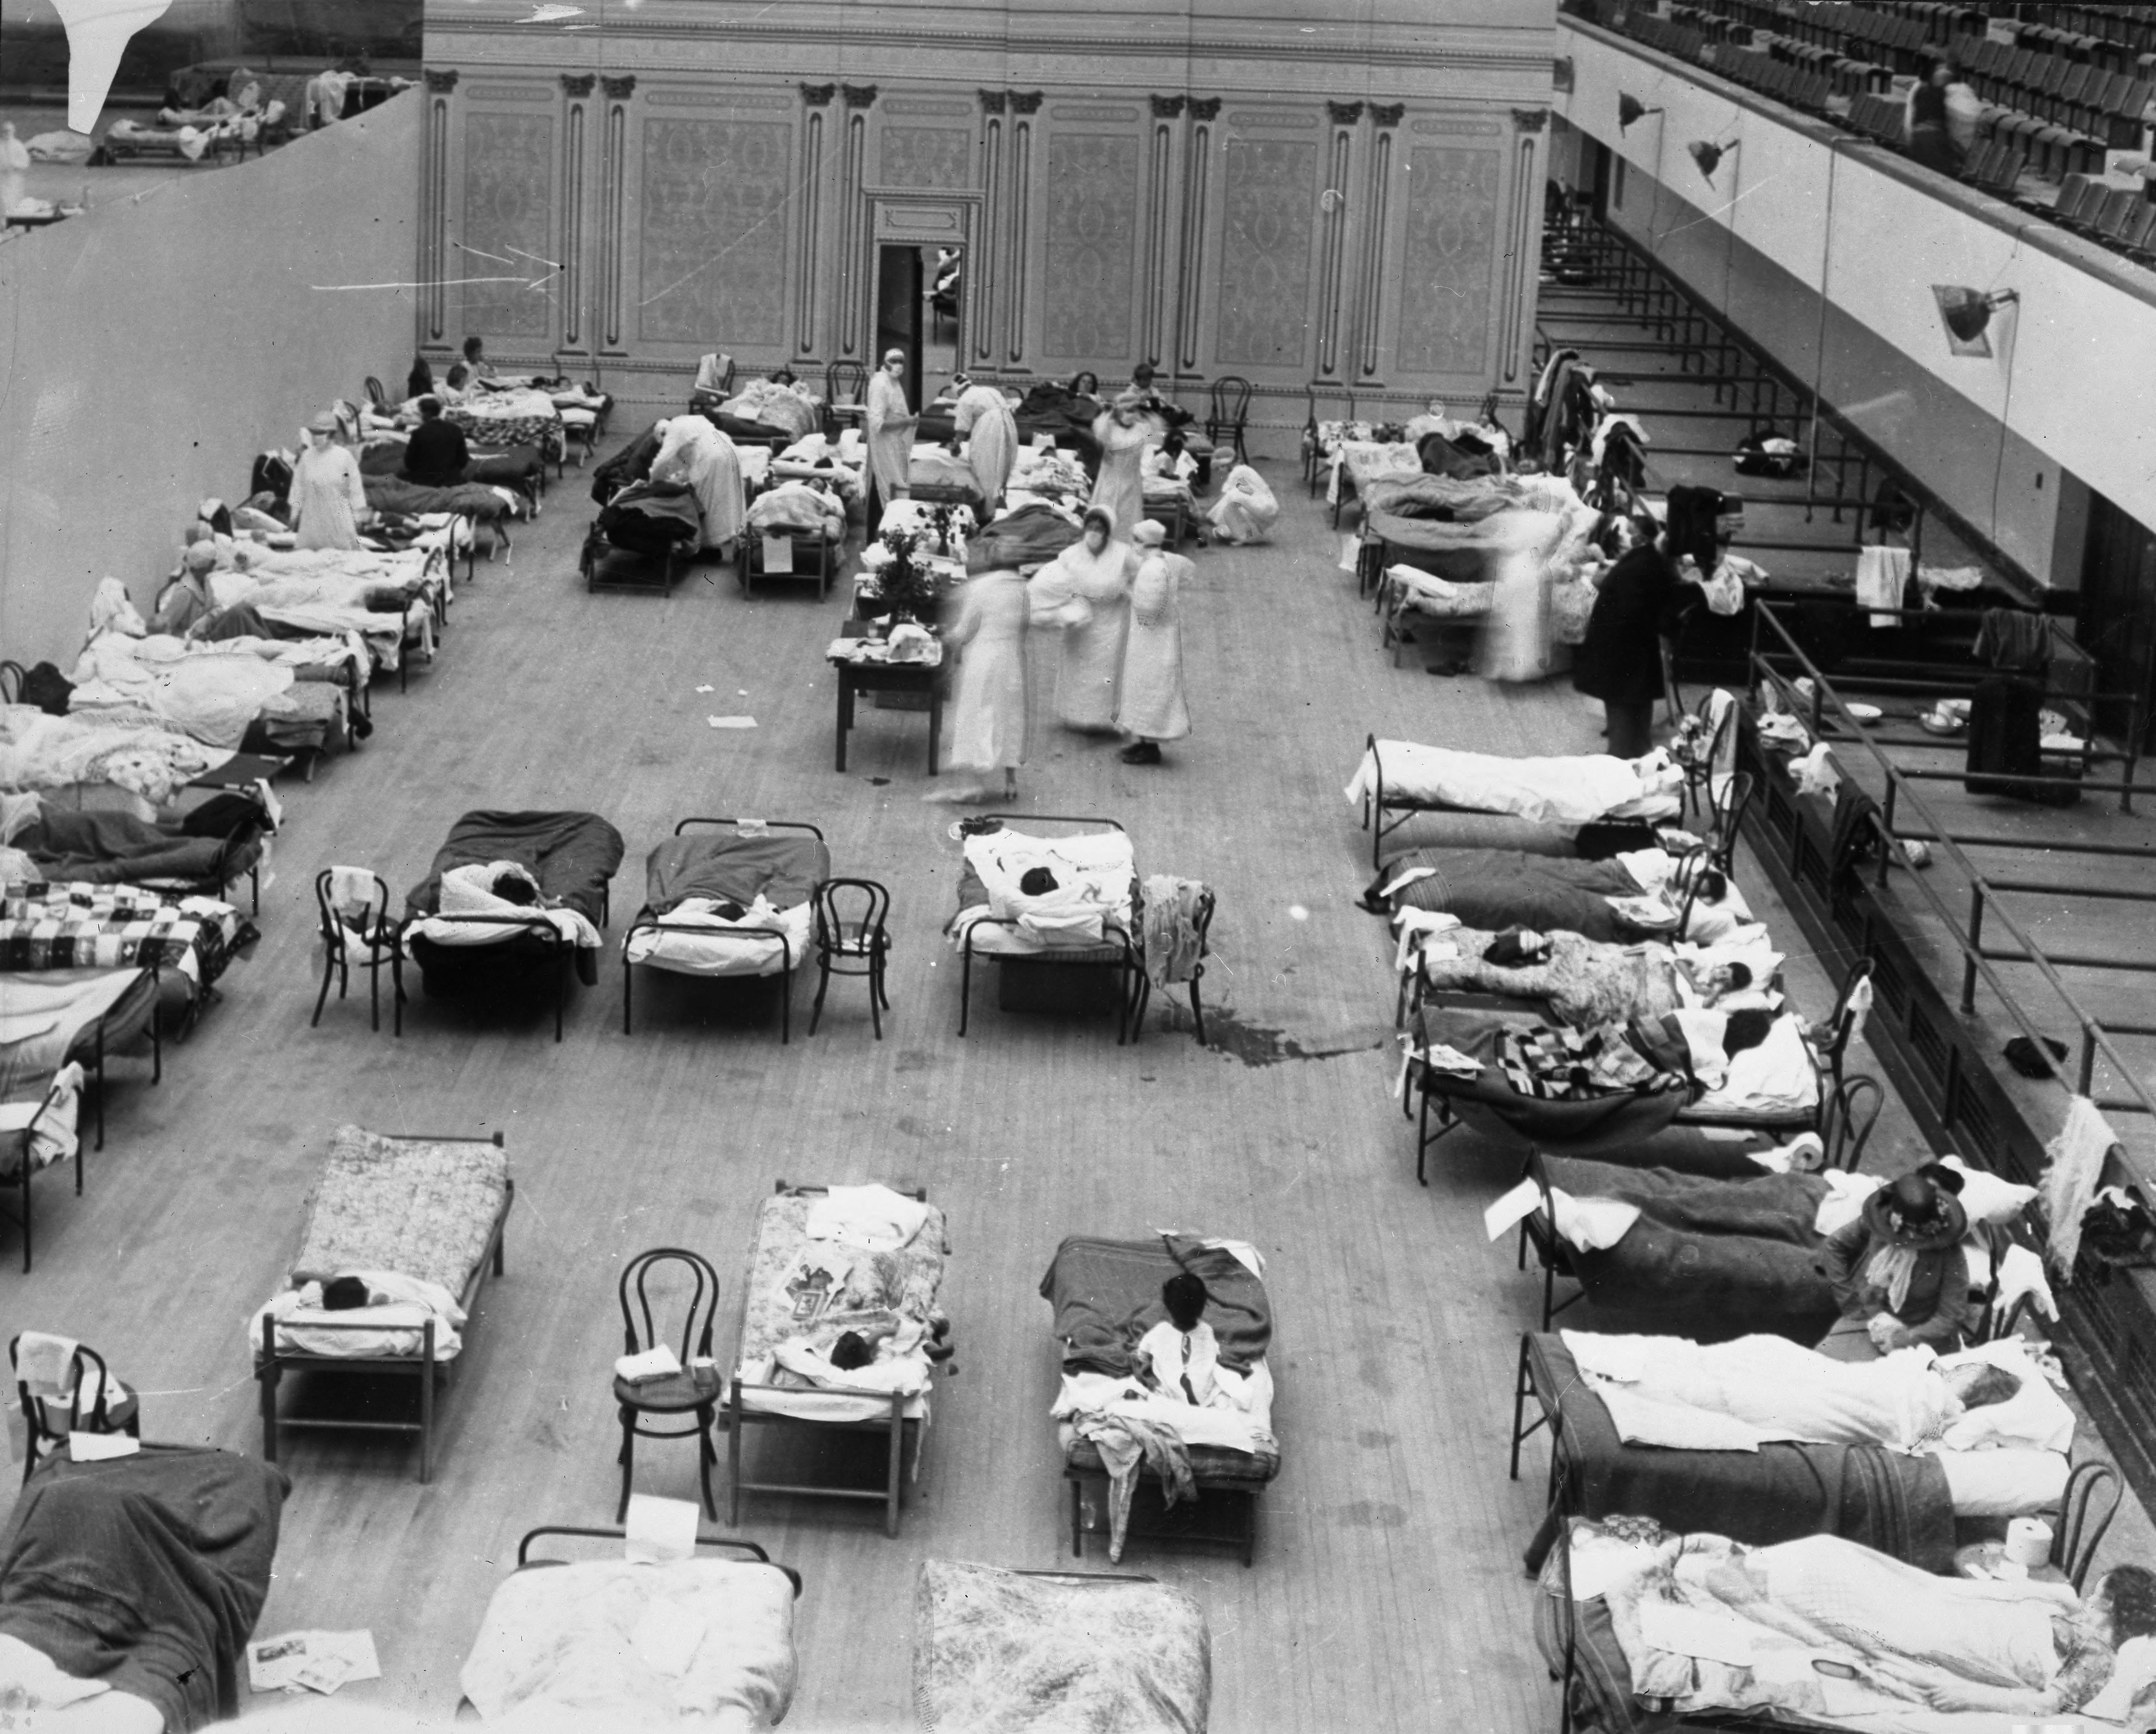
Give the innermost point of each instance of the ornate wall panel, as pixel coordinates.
(934, 156)
(508, 201)
(712, 216)
(1267, 216)
(1089, 217)
(1450, 255)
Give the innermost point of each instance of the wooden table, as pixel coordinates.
(857, 677)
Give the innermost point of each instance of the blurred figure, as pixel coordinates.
(1122, 430)
(1150, 704)
(982, 417)
(1086, 591)
(1245, 509)
(991, 723)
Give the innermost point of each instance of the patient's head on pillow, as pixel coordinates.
(1037, 882)
(514, 886)
(2130, 1592)
(458, 374)
(1746, 1030)
(1184, 1296)
(343, 1293)
(851, 1351)
(1979, 1384)
(1516, 948)
(1714, 886)
(727, 907)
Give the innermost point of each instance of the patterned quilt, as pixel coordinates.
(1557, 1065)
(418, 1207)
(71, 925)
(483, 424)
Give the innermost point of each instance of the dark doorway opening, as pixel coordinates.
(2117, 621)
(918, 301)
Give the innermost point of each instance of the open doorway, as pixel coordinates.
(918, 292)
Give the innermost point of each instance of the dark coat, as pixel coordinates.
(1641, 602)
(436, 455)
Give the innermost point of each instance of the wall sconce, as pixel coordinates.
(1709, 156)
(1966, 313)
(1629, 110)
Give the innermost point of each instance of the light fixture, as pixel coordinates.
(1629, 110)
(1709, 156)
(1966, 313)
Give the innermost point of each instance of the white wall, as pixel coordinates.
(151, 348)
(2073, 363)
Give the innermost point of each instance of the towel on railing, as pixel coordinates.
(1173, 946)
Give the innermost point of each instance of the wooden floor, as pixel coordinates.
(1387, 1592)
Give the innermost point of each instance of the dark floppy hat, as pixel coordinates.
(1919, 1211)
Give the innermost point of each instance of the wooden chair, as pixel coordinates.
(53, 1417)
(852, 938)
(713, 384)
(1229, 413)
(678, 1393)
(356, 930)
(18, 1123)
(2086, 1509)
(11, 676)
(1851, 1111)
(846, 395)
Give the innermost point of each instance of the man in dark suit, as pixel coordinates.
(436, 456)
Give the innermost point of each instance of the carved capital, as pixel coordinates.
(1344, 114)
(444, 79)
(620, 88)
(1166, 108)
(1530, 119)
(860, 96)
(1026, 102)
(993, 102)
(1387, 114)
(1205, 108)
(1561, 73)
(819, 95)
(578, 84)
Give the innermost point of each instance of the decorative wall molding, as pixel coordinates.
(1026, 102)
(1433, 127)
(444, 79)
(1523, 256)
(512, 93)
(1161, 212)
(1280, 119)
(614, 154)
(858, 96)
(1344, 114)
(1384, 114)
(572, 215)
(718, 99)
(1205, 108)
(1091, 111)
(1197, 181)
(620, 89)
(433, 223)
(993, 102)
(1018, 307)
(819, 95)
(854, 256)
(926, 107)
(808, 287)
(1370, 273)
(1334, 212)
(1530, 119)
(579, 84)
(1166, 108)
(988, 254)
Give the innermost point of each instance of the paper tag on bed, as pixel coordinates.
(1349, 554)
(777, 554)
(1513, 1208)
(752, 827)
(100, 1447)
(660, 1529)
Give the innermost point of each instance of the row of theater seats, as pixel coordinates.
(2080, 95)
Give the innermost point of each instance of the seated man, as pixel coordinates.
(436, 456)
(1180, 1357)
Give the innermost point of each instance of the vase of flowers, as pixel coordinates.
(907, 587)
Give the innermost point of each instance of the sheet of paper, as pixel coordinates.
(660, 1529)
(99, 1447)
(1695, 1632)
(731, 722)
(778, 556)
(1513, 1208)
(311, 1661)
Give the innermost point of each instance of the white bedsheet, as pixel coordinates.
(396, 1315)
(1776, 1077)
(1576, 789)
(701, 1643)
(1246, 1429)
(466, 891)
(1093, 873)
(699, 941)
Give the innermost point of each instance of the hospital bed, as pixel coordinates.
(1353, 464)
(1105, 1294)
(47, 925)
(1397, 780)
(1006, 1652)
(53, 1017)
(794, 530)
(493, 956)
(794, 1307)
(578, 1639)
(679, 930)
(144, 1574)
(204, 852)
(427, 1215)
(658, 525)
(1102, 945)
(516, 416)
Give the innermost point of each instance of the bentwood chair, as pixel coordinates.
(852, 938)
(90, 1401)
(1229, 413)
(846, 395)
(376, 396)
(688, 1286)
(353, 906)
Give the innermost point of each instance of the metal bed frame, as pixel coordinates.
(271, 1363)
(646, 922)
(735, 1417)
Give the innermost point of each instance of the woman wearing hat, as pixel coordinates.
(985, 423)
(1085, 591)
(888, 426)
(328, 497)
(188, 600)
(1897, 1270)
(1150, 705)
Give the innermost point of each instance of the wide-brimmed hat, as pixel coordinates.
(323, 423)
(1919, 1211)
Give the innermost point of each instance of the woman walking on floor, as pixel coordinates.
(990, 727)
(1151, 706)
(1085, 591)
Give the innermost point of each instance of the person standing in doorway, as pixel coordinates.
(888, 427)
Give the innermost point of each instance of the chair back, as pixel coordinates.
(375, 394)
(2085, 1513)
(1728, 811)
(644, 1316)
(715, 376)
(1231, 400)
(346, 895)
(42, 1404)
(845, 383)
(851, 913)
(1843, 1023)
(1851, 1110)
(11, 674)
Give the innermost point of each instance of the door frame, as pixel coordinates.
(924, 217)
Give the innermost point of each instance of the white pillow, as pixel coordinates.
(2009, 1482)
(1987, 1198)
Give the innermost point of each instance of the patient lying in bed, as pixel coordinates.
(506, 892)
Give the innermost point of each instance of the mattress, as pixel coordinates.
(700, 869)
(1496, 889)
(422, 1207)
(110, 848)
(1096, 873)
(788, 1305)
(1106, 1295)
(1358, 462)
(47, 925)
(53, 1016)
(574, 856)
(681, 1644)
(1584, 982)
(998, 1652)
(1898, 1503)
(1573, 789)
